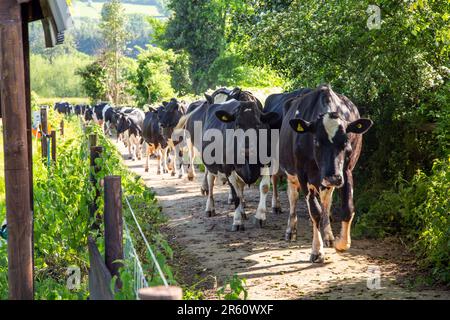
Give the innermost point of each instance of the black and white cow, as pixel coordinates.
(320, 142)
(63, 107)
(239, 162)
(275, 103)
(169, 115)
(195, 113)
(132, 122)
(154, 139)
(80, 109)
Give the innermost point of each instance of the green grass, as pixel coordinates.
(83, 10)
(51, 101)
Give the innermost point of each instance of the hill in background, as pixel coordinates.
(85, 35)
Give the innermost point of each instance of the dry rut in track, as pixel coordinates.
(274, 269)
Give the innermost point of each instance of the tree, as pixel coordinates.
(112, 25)
(94, 80)
(152, 77)
(198, 28)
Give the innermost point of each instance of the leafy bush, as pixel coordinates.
(418, 210)
(152, 78)
(57, 77)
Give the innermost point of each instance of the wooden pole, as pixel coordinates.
(96, 152)
(61, 128)
(92, 140)
(44, 129)
(160, 293)
(53, 137)
(113, 225)
(17, 180)
(26, 61)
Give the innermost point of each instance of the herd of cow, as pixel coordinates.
(317, 145)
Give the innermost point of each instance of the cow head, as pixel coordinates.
(332, 145)
(88, 114)
(247, 117)
(123, 123)
(169, 116)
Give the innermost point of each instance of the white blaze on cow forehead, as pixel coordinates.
(220, 98)
(331, 126)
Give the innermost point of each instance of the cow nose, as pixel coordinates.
(332, 181)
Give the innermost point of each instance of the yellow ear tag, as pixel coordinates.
(300, 128)
(224, 118)
(359, 126)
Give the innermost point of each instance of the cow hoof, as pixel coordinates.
(341, 246)
(276, 211)
(146, 169)
(190, 178)
(259, 223)
(244, 216)
(329, 243)
(158, 173)
(204, 192)
(210, 213)
(173, 174)
(317, 258)
(291, 236)
(237, 227)
(180, 176)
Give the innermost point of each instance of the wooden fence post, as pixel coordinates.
(61, 127)
(113, 225)
(92, 140)
(160, 293)
(53, 137)
(96, 152)
(44, 132)
(16, 149)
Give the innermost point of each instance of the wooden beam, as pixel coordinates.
(26, 62)
(113, 225)
(17, 183)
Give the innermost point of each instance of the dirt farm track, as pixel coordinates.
(205, 248)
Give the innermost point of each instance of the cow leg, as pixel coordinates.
(238, 185)
(139, 147)
(315, 212)
(159, 158)
(164, 159)
(191, 168)
(130, 155)
(210, 208)
(343, 243)
(326, 198)
(264, 186)
(147, 155)
(204, 186)
(276, 205)
(179, 159)
(293, 187)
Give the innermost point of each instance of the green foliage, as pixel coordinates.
(114, 37)
(199, 29)
(57, 77)
(152, 78)
(419, 210)
(233, 288)
(94, 80)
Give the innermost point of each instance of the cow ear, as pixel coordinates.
(270, 117)
(165, 103)
(359, 126)
(224, 116)
(287, 106)
(301, 126)
(209, 98)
